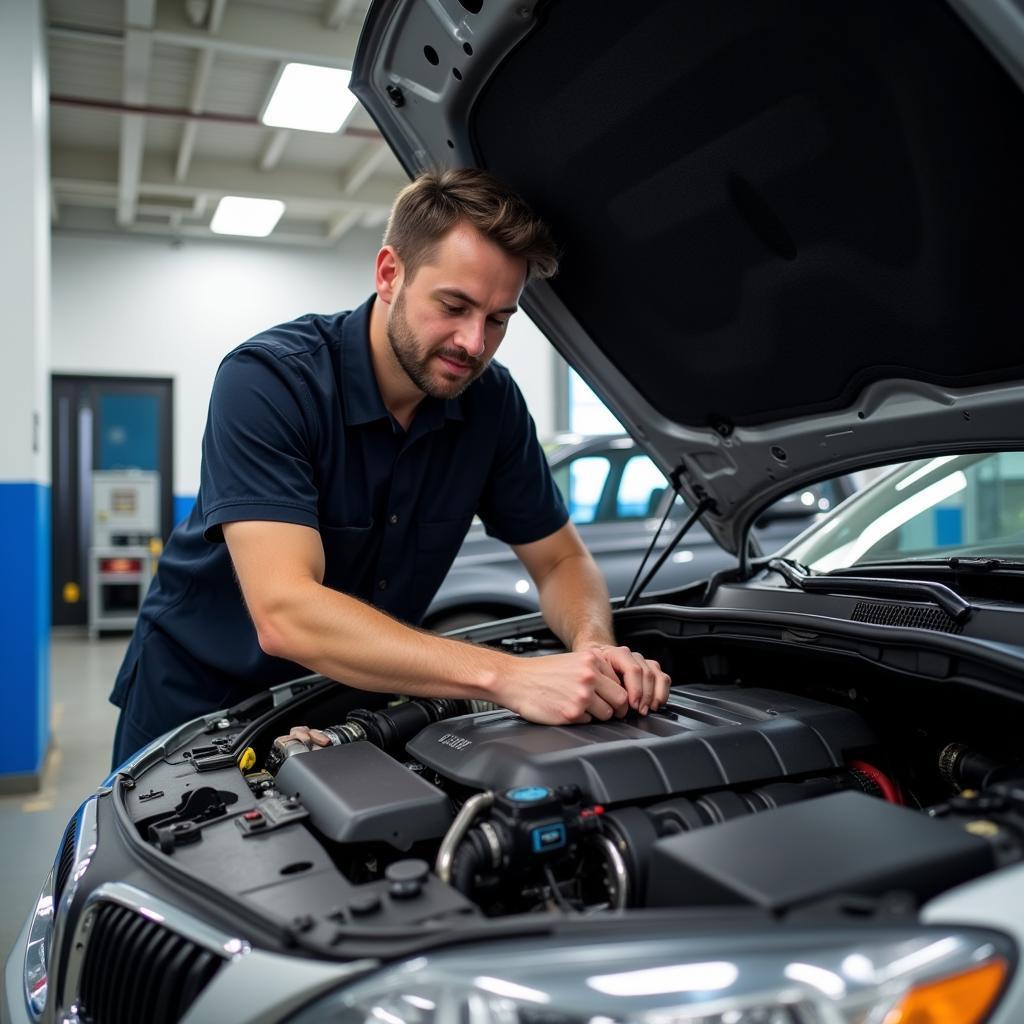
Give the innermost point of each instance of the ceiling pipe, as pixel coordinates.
(181, 114)
(197, 12)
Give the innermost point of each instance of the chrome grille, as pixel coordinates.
(66, 860)
(136, 969)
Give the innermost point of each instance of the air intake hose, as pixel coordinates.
(389, 729)
(393, 727)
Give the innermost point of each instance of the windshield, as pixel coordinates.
(964, 505)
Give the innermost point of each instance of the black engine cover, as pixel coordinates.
(706, 737)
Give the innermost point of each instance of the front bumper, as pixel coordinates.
(13, 1009)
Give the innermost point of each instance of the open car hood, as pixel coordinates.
(791, 229)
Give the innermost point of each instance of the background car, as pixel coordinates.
(616, 497)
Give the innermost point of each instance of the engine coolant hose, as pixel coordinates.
(886, 786)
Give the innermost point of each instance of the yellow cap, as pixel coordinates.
(247, 759)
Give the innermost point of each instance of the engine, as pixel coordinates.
(728, 796)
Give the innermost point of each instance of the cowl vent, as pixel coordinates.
(916, 616)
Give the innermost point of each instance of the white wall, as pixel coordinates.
(149, 307)
(25, 253)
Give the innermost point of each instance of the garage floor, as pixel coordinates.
(81, 673)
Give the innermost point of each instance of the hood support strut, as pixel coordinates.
(635, 589)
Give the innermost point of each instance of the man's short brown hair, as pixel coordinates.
(434, 202)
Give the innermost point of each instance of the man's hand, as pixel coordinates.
(304, 734)
(563, 689)
(574, 600)
(646, 685)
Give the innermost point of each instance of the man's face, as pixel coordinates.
(445, 324)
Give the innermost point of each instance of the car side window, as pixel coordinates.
(640, 489)
(582, 482)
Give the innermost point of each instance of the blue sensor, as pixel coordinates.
(548, 837)
(528, 794)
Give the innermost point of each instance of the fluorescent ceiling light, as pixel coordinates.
(255, 218)
(310, 99)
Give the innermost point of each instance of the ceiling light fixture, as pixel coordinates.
(310, 99)
(255, 218)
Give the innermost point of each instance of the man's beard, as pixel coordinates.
(416, 363)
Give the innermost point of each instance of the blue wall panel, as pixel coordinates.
(183, 506)
(24, 625)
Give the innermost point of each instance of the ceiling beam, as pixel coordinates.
(376, 217)
(136, 59)
(196, 100)
(186, 146)
(307, 193)
(276, 237)
(258, 32)
(263, 33)
(139, 13)
(363, 167)
(71, 34)
(338, 12)
(183, 114)
(200, 81)
(216, 19)
(275, 149)
(342, 223)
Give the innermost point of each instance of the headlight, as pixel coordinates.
(73, 859)
(37, 952)
(784, 976)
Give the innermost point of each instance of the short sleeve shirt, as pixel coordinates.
(297, 432)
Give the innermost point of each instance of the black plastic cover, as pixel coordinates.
(847, 843)
(707, 737)
(356, 793)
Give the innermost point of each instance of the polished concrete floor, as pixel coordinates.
(81, 674)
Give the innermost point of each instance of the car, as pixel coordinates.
(619, 501)
(791, 238)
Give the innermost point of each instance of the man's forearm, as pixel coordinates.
(279, 568)
(574, 602)
(350, 641)
(345, 639)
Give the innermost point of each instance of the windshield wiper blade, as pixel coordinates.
(981, 563)
(948, 600)
(960, 563)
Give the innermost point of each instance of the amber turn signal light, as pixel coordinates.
(964, 998)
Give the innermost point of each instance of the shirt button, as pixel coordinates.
(382, 584)
(393, 518)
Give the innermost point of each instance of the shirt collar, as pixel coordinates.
(359, 389)
(360, 395)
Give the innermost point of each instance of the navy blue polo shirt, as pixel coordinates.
(298, 433)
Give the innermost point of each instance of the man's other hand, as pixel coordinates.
(646, 684)
(304, 734)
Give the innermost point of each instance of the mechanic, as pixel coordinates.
(344, 458)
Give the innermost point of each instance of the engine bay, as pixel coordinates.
(733, 795)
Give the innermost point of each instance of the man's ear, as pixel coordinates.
(388, 274)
